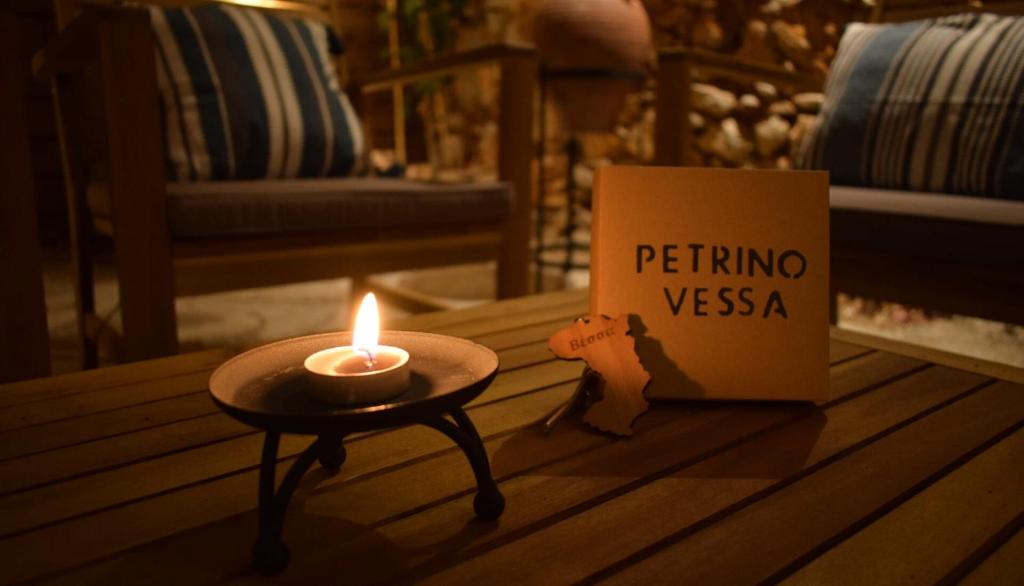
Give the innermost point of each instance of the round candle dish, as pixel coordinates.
(269, 388)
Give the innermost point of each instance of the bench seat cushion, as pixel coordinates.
(211, 209)
(932, 105)
(251, 94)
(929, 226)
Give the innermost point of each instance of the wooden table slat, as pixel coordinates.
(65, 385)
(130, 473)
(431, 322)
(133, 523)
(497, 334)
(781, 528)
(92, 423)
(688, 491)
(19, 474)
(72, 432)
(1004, 566)
(45, 464)
(839, 351)
(572, 484)
(139, 480)
(101, 400)
(887, 367)
(988, 368)
(69, 432)
(926, 537)
(513, 321)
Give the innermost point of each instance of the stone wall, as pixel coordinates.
(754, 124)
(735, 124)
(800, 35)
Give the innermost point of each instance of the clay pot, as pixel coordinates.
(611, 35)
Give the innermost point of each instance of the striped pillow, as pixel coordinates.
(249, 95)
(932, 105)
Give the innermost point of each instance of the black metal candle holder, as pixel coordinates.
(266, 388)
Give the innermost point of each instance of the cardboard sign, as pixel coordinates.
(725, 273)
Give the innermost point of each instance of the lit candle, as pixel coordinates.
(364, 372)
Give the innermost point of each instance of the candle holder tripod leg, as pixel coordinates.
(331, 453)
(489, 502)
(269, 554)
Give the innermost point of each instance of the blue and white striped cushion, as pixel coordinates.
(247, 94)
(932, 105)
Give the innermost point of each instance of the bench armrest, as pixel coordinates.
(518, 65)
(71, 50)
(728, 65)
(672, 133)
(432, 68)
(76, 46)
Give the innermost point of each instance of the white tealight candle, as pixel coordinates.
(364, 372)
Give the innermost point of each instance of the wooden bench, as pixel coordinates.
(105, 86)
(961, 257)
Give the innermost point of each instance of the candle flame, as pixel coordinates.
(367, 331)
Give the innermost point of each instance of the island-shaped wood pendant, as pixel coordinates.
(608, 349)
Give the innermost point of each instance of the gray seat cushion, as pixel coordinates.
(243, 208)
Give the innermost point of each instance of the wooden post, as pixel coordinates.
(80, 232)
(515, 157)
(878, 11)
(24, 339)
(397, 91)
(142, 248)
(833, 303)
(672, 132)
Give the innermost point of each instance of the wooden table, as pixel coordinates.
(911, 472)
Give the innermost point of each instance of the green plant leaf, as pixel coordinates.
(384, 20)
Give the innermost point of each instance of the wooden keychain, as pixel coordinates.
(611, 390)
(590, 381)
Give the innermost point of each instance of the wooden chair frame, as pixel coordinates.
(24, 338)
(901, 274)
(125, 196)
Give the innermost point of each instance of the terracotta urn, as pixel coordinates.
(607, 39)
